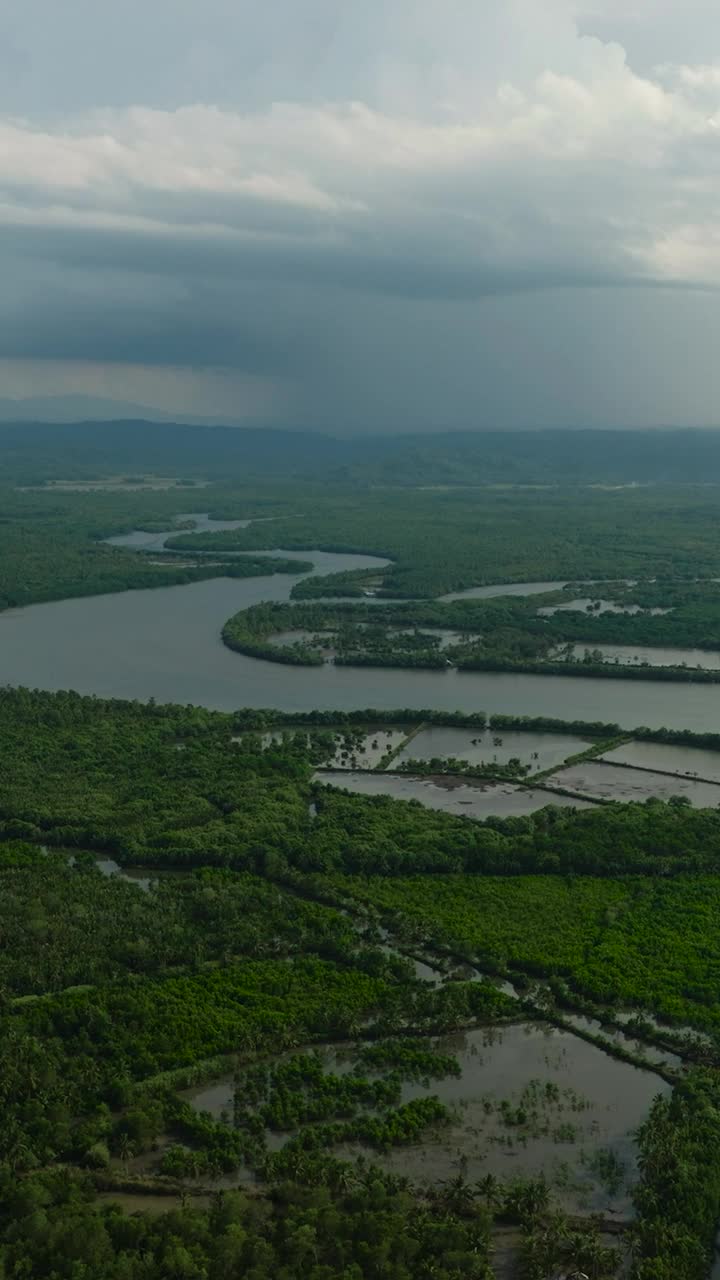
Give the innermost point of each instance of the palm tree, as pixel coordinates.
(125, 1149)
(489, 1189)
(458, 1195)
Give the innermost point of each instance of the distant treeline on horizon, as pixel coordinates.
(39, 452)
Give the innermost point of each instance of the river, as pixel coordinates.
(164, 643)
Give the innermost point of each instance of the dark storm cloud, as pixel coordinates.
(352, 199)
(393, 268)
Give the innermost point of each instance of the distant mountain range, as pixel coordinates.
(79, 408)
(32, 452)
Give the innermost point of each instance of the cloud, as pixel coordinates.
(285, 171)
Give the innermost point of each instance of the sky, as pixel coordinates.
(364, 215)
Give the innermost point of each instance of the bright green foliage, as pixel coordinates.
(409, 1059)
(653, 944)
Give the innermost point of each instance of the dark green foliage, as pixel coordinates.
(373, 1230)
(167, 787)
(85, 1048)
(442, 541)
(62, 925)
(501, 634)
(678, 1199)
(50, 546)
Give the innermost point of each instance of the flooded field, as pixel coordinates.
(651, 656)
(602, 781)
(588, 604)
(539, 751)
(445, 638)
(366, 750)
(451, 795)
(325, 642)
(352, 748)
(690, 762)
(529, 1099)
(505, 589)
(650, 1054)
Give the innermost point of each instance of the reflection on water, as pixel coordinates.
(597, 607)
(140, 540)
(568, 1101)
(601, 1103)
(451, 795)
(539, 751)
(650, 655)
(164, 643)
(690, 761)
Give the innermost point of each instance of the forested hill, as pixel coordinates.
(33, 453)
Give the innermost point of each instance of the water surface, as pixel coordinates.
(164, 643)
(596, 1104)
(690, 761)
(451, 795)
(590, 606)
(650, 655)
(505, 589)
(602, 1102)
(600, 781)
(539, 751)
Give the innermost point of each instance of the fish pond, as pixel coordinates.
(649, 656)
(537, 751)
(599, 780)
(692, 762)
(451, 795)
(586, 604)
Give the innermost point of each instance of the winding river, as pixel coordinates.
(164, 643)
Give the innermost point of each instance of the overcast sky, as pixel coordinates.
(364, 214)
